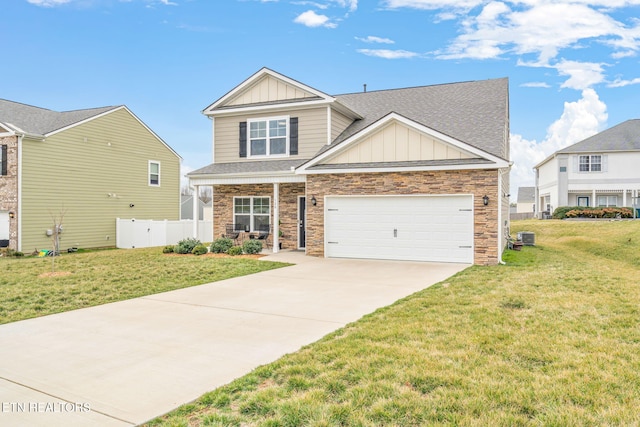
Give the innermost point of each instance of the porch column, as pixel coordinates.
(196, 217)
(276, 217)
(624, 197)
(593, 199)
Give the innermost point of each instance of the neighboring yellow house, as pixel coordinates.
(88, 167)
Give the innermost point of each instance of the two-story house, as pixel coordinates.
(599, 171)
(83, 168)
(416, 173)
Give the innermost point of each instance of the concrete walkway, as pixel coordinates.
(124, 363)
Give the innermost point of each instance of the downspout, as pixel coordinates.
(19, 191)
(500, 226)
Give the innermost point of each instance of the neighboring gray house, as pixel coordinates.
(186, 208)
(602, 170)
(526, 200)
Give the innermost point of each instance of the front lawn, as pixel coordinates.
(551, 338)
(100, 277)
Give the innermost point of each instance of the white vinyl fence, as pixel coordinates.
(143, 233)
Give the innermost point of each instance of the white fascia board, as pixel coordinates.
(10, 130)
(545, 160)
(298, 105)
(122, 107)
(374, 127)
(246, 179)
(258, 75)
(403, 169)
(88, 119)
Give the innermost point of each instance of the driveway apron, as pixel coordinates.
(124, 363)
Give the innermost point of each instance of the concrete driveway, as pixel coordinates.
(125, 363)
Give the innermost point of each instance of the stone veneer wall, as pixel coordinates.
(476, 182)
(223, 207)
(9, 187)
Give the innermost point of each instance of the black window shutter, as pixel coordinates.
(243, 139)
(293, 137)
(3, 168)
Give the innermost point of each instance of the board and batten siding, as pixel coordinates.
(397, 142)
(269, 89)
(92, 173)
(312, 134)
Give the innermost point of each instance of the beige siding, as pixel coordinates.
(268, 89)
(92, 173)
(339, 122)
(312, 134)
(397, 142)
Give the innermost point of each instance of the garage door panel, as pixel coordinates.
(422, 228)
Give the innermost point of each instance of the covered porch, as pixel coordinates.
(254, 197)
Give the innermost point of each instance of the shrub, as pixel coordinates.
(185, 246)
(235, 250)
(200, 250)
(221, 245)
(252, 246)
(587, 212)
(167, 249)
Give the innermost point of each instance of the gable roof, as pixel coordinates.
(41, 121)
(622, 137)
(526, 194)
(474, 112)
(478, 156)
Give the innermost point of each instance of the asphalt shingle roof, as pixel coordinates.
(526, 194)
(622, 137)
(41, 121)
(474, 112)
(248, 167)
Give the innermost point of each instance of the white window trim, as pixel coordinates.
(268, 155)
(607, 205)
(149, 173)
(591, 163)
(251, 214)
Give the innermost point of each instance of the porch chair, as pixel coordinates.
(232, 233)
(264, 232)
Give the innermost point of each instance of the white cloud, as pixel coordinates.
(581, 74)
(48, 3)
(312, 19)
(579, 120)
(433, 4)
(374, 39)
(546, 29)
(536, 84)
(388, 54)
(623, 83)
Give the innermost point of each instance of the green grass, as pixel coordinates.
(99, 277)
(552, 338)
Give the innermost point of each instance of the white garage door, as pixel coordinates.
(416, 228)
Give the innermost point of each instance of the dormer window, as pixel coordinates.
(268, 137)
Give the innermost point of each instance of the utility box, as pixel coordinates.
(527, 238)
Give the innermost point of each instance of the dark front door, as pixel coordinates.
(302, 206)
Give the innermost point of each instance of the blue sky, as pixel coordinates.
(572, 64)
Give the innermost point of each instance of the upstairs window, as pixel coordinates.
(590, 163)
(268, 137)
(154, 173)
